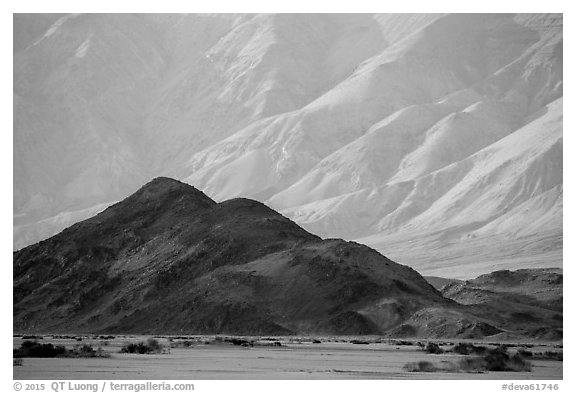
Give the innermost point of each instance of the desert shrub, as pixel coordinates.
(154, 345)
(467, 349)
(462, 349)
(17, 362)
(548, 355)
(316, 341)
(554, 355)
(360, 342)
(239, 341)
(517, 363)
(421, 366)
(86, 351)
(525, 353)
(472, 364)
(267, 343)
(496, 360)
(32, 349)
(433, 348)
(140, 348)
(180, 344)
(150, 346)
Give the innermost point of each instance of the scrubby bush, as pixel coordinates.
(553, 355)
(140, 348)
(17, 362)
(179, 344)
(240, 341)
(421, 366)
(472, 365)
(154, 345)
(32, 349)
(548, 355)
(525, 353)
(496, 359)
(359, 342)
(32, 337)
(433, 348)
(150, 346)
(467, 349)
(86, 351)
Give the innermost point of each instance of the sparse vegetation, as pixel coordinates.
(32, 349)
(181, 343)
(271, 344)
(525, 353)
(150, 346)
(548, 355)
(359, 342)
(421, 366)
(467, 349)
(433, 348)
(32, 337)
(17, 362)
(240, 341)
(403, 342)
(86, 351)
(497, 359)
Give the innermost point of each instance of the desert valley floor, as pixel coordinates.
(296, 358)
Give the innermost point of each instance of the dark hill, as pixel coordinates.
(527, 301)
(168, 259)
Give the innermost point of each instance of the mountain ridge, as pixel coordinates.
(170, 260)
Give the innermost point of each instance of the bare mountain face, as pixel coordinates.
(532, 298)
(436, 139)
(168, 259)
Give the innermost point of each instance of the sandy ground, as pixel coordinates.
(328, 360)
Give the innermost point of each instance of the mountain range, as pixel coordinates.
(434, 138)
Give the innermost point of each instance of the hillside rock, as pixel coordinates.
(170, 259)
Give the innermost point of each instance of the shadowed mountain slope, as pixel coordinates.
(168, 259)
(531, 299)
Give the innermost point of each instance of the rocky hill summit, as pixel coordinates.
(168, 259)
